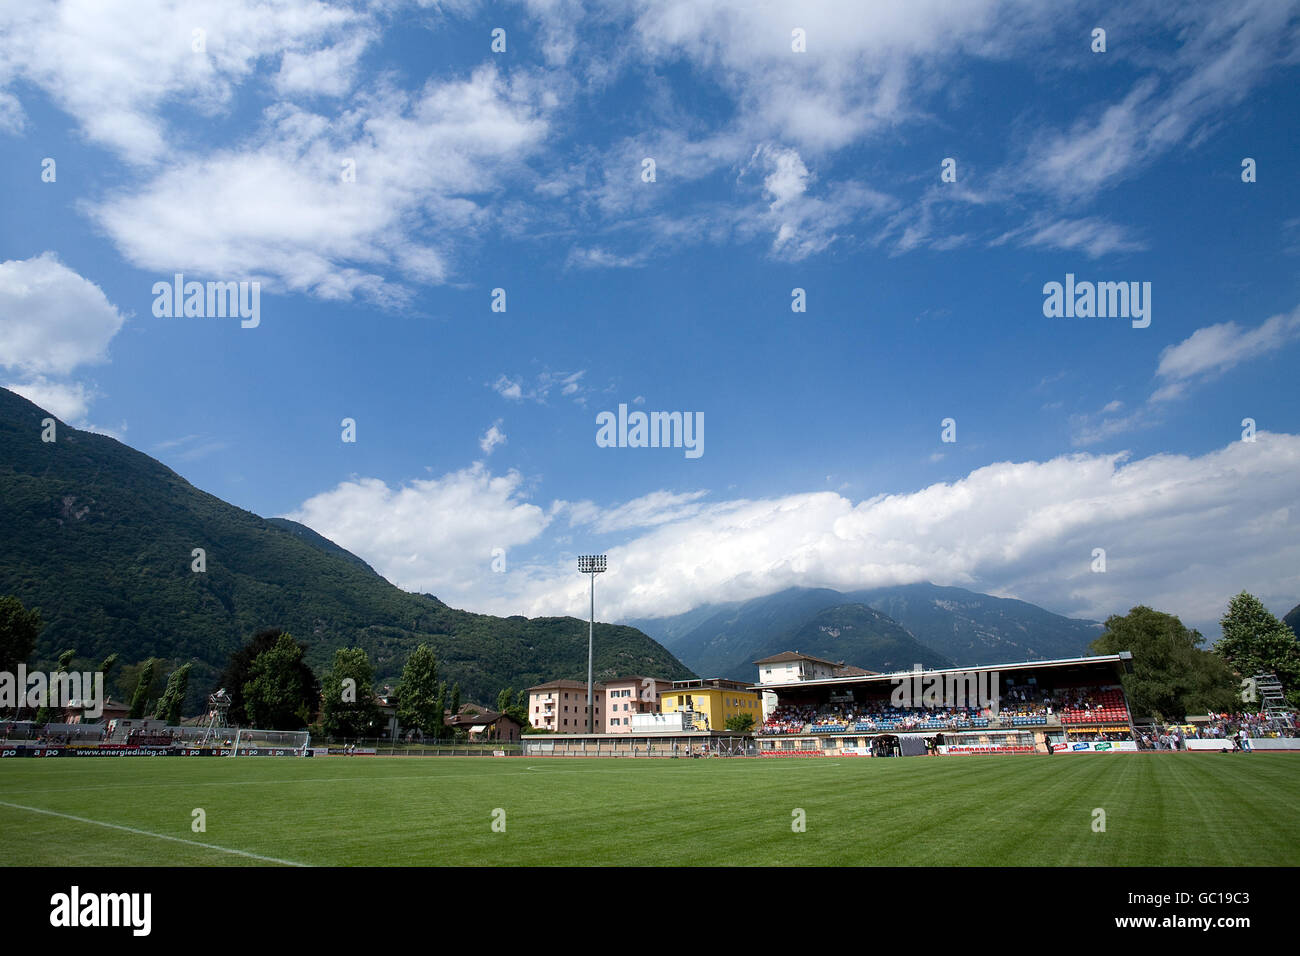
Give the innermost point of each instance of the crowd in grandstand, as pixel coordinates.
(789, 720)
(1021, 705)
(861, 716)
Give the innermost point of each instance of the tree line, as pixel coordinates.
(271, 685)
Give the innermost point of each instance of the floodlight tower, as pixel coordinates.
(592, 564)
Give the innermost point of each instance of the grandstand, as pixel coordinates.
(1074, 704)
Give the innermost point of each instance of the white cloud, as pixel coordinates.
(118, 72)
(1092, 429)
(1216, 348)
(864, 64)
(656, 508)
(327, 72)
(1201, 356)
(517, 390)
(277, 207)
(427, 535)
(52, 319)
(1225, 51)
(68, 402)
(788, 177)
(508, 388)
(599, 258)
(119, 432)
(12, 117)
(804, 224)
(190, 447)
(492, 437)
(1093, 236)
(1173, 526)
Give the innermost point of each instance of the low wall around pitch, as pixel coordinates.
(1255, 743)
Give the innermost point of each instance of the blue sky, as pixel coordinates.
(775, 169)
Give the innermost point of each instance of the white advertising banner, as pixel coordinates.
(1255, 743)
(1097, 747)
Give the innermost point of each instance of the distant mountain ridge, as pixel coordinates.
(955, 625)
(857, 635)
(100, 537)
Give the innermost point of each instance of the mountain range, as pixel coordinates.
(913, 623)
(102, 539)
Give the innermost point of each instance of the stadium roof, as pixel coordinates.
(1096, 660)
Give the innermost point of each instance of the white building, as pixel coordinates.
(790, 666)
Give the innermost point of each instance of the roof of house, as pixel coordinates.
(636, 677)
(710, 683)
(852, 670)
(789, 657)
(486, 718)
(566, 685)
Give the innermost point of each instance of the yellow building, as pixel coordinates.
(712, 700)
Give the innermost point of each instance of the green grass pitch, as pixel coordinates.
(1162, 809)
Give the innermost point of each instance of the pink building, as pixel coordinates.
(561, 706)
(631, 695)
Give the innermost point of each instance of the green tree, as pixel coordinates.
(140, 699)
(169, 708)
(1172, 675)
(514, 706)
(440, 708)
(281, 693)
(47, 713)
(741, 722)
(106, 667)
(1255, 641)
(19, 629)
(455, 698)
(127, 680)
(349, 709)
(239, 668)
(417, 693)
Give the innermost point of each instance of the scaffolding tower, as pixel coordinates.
(1271, 698)
(218, 714)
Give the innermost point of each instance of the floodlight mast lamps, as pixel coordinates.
(592, 564)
